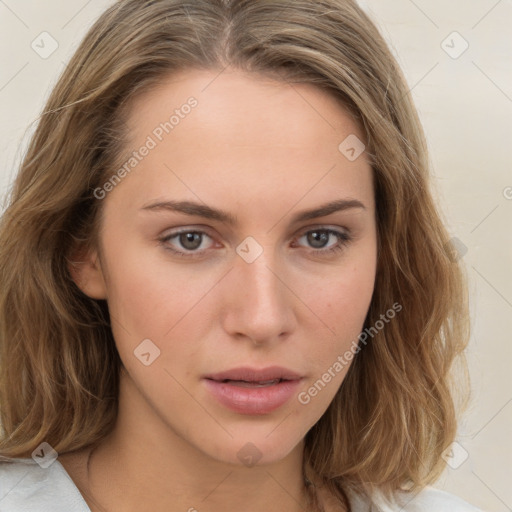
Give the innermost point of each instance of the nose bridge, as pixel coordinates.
(260, 306)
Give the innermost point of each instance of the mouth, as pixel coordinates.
(251, 384)
(265, 376)
(250, 391)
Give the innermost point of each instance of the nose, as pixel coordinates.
(258, 303)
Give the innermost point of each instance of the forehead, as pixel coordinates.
(248, 133)
(226, 100)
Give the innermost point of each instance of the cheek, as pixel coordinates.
(140, 300)
(341, 303)
(148, 293)
(343, 299)
(160, 302)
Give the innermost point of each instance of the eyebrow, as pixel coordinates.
(203, 210)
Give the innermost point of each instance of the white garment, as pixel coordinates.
(27, 487)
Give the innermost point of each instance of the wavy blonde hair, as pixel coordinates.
(395, 412)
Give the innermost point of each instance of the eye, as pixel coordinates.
(320, 237)
(189, 242)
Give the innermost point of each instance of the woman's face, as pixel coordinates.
(233, 162)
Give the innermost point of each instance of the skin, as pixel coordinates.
(262, 150)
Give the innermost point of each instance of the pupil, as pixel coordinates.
(190, 241)
(315, 236)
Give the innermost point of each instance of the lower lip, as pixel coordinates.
(257, 400)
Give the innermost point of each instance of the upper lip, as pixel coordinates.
(249, 374)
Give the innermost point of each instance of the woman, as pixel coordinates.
(225, 283)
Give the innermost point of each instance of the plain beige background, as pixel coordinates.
(457, 58)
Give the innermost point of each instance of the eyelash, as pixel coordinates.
(343, 240)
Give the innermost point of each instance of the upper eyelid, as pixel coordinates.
(206, 230)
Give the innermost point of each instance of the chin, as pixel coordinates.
(256, 449)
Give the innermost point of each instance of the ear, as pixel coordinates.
(85, 270)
